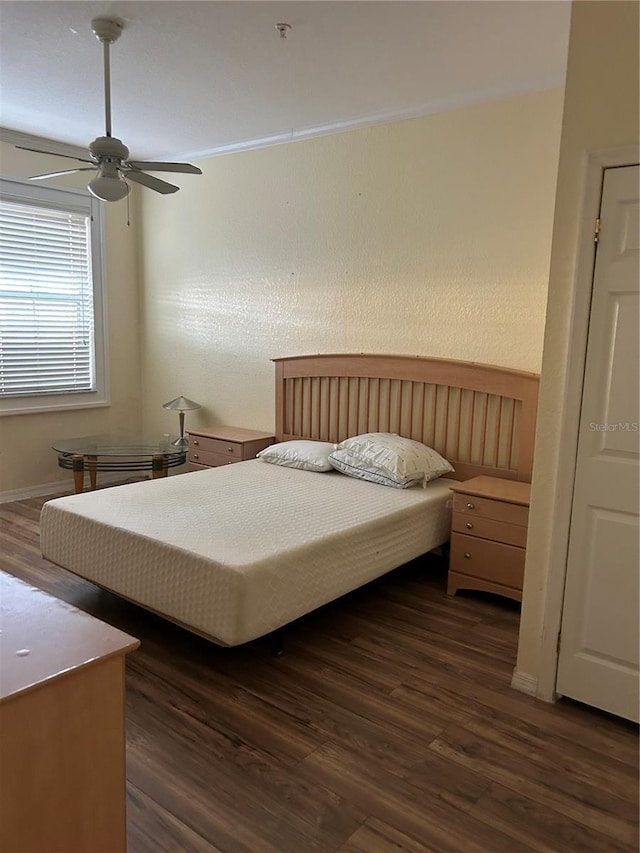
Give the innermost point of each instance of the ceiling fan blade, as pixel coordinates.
(151, 182)
(54, 154)
(185, 168)
(64, 172)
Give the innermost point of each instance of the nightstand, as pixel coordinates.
(489, 536)
(224, 445)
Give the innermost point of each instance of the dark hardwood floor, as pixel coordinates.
(387, 725)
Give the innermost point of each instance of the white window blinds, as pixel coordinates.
(46, 301)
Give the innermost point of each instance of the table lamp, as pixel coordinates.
(181, 405)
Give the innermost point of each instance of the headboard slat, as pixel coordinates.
(512, 426)
(472, 414)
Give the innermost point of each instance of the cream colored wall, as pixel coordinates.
(430, 236)
(600, 112)
(26, 458)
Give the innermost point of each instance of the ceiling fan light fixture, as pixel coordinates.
(109, 187)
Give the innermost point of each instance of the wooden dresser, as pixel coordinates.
(62, 743)
(489, 536)
(224, 445)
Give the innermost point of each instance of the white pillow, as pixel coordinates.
(389, 459)
(308, 455)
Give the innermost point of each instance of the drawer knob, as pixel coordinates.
(230, 449)
(195, 456)
(471, 506)
(469, 525)
(195, 441)
(467, 555)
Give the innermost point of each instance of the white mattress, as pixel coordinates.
(238, 551)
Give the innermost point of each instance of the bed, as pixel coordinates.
(237, 552)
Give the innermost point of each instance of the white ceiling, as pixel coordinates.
(196, 78)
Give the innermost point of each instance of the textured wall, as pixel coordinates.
(430, 236)
(600, 112)
(26, 458)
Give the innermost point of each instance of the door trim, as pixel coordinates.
(595, 164)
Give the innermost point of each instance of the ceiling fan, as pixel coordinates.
(108, 154)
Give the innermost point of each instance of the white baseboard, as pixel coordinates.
(60, 487)
(524, 682)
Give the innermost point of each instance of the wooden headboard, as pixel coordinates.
(479, 417)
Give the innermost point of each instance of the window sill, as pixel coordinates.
(61, 403)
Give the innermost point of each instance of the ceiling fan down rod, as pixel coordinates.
(107, 30)
(107, 89)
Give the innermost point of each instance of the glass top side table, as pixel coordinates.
(95, 453)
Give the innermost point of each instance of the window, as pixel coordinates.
(52, 335)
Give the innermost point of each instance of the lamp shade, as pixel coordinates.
(181, 404)
(108, 189)
(108, 185)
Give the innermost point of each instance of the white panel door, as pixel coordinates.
(598, 659)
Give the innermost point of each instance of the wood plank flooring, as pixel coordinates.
(388, 725)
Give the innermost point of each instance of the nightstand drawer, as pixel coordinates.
(204, 444)
(492, 561)
(487, 508)
(211, 460)
(487, 528)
